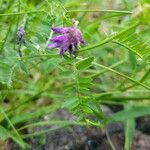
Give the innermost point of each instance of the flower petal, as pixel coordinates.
(63, 50)
(59, 38)
(61, 30)
(76, 46)
(54, 45)
(82, 40)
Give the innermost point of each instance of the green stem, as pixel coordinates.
(52, 122)
(142, 79)
(63, 7)
(109, 93)
(123, 45)
(42, 132)
(10, 123)
(41, 55)
(105, 11)
(112, 66)
(109, 140)
(22, 13)
(123, 98)
(122, 75)
(76, 80)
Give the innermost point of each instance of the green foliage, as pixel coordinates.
(113, 68)
(82, 101)
(6, 72)
(129, 130)
(129, 133)
(130, 40)
(28, 116)
(134, 112)
(5, 134)
(84, 64)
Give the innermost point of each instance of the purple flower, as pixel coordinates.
(69, 39)
(20, 38)
(20, 35)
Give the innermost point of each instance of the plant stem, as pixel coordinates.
(123, 75)
(41, 132)
(53, 122)
(76, 80)
(12, 126)
(123, 98)
(22, 13)
(123, 45)
(109, 140)
(142, 79)
(112, 66)
(105, 11)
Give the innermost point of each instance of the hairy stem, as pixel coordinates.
(105, 11)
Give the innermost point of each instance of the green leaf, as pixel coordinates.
(134, 112)
(6, 72)
(133, 42)
(30, 46)
(73, 4)
(5, 134)
(93, 123)
(129, 133)
(83, 90)
(91, 29)
(71, 103)
(145, 14)
(67, 58)
(96, 110)
(129, 129)
(30, 115)
(132, 60)
(84, 64)
(24, 67)
(15, 136)
(85, 80)
(86, 85)
(86, 109)
(145, 1)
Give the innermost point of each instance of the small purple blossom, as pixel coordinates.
(20, 35)
(20, 38)
(69, 39)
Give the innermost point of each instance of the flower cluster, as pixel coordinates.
(69, 39)
(20, 35)
(20, 39)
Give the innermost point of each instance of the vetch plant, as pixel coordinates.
(108, 71)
